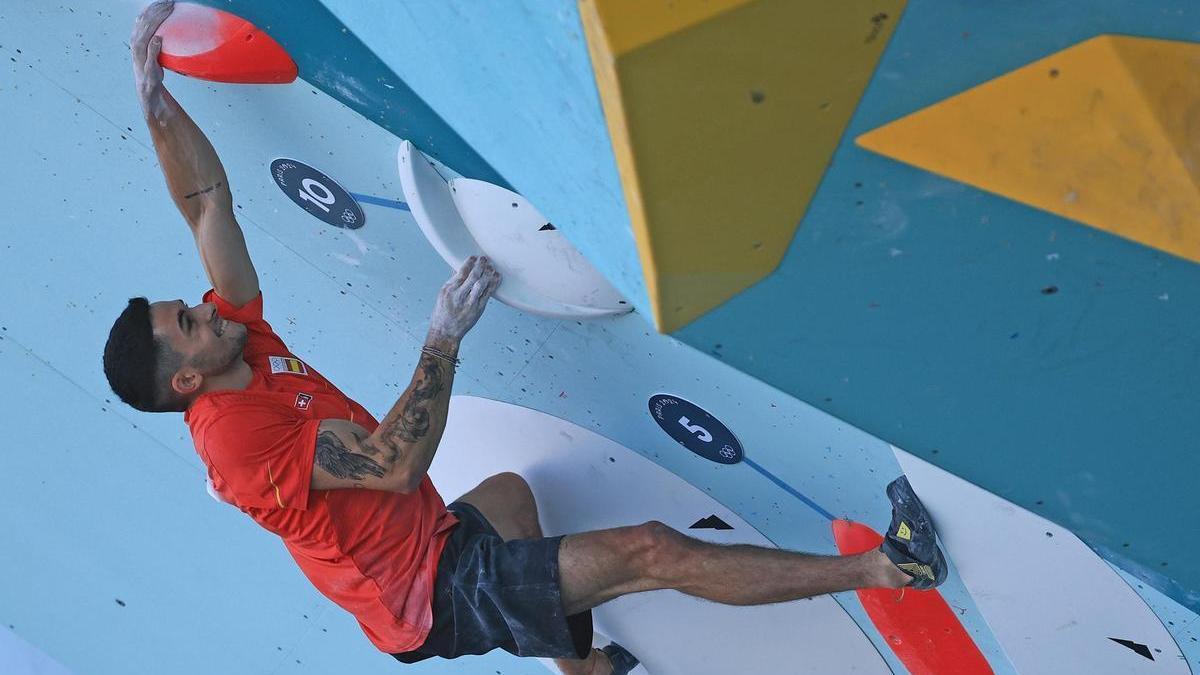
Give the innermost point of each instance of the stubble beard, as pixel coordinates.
(234, 346)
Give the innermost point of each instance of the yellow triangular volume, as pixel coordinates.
(723, 116)
(903, 532)
(1105, 133)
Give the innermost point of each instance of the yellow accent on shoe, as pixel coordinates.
(903, 532)
(917, 570)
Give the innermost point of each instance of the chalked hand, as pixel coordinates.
(463, 298)
(145, 47)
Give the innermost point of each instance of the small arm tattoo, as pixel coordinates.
(204, 191)
(341, 462)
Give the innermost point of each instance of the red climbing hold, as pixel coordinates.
(919, 626)
(211, 44)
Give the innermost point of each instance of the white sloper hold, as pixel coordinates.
(543, 272)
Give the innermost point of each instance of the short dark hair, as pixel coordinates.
(139, 365)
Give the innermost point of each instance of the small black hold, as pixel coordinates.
(858, 185)
(1049, 534)
(757, 96)
(120, 602)
(547, 227)
(1050, 290)
(1135, 646)
(514, 205)
(1054, 72)
(613, 460)
(1039, 502)
(711, 523)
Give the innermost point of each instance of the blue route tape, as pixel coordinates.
(379, 201)
(789, 489)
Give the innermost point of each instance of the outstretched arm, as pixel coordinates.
(195, 177)
(397, 456)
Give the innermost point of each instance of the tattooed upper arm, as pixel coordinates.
(346, 459)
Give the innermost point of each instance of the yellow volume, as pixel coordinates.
(1106, 133)
(723, 115)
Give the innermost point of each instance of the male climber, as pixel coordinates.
(350, 497)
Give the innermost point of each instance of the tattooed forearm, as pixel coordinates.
(413, 427)
(413, 422)
(341, 462)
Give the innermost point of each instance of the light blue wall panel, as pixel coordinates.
(1183, 624)
(104, 503)
(514, 79)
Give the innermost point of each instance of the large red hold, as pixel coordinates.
(211, 44)
(919, 626)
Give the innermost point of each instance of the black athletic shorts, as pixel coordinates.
(491, 593)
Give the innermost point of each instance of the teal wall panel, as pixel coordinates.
(923, 309)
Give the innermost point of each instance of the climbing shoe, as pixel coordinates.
(911, 543)
(620, 658)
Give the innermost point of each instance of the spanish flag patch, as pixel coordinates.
(287, 364)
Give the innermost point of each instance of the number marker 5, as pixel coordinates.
(694, 428)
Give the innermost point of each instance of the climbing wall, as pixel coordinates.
(979, 332)
(121, 563)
